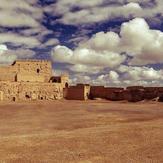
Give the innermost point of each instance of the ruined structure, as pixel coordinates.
(33, 80)
(78, 92)
(30, 80)
(130, 94)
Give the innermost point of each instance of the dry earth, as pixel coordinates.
(84, 132)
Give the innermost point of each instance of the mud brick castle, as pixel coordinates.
(33, 80)
(30, 80)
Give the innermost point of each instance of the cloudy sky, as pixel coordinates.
(102, 42)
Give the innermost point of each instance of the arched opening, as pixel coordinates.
(66, 85)
(27, 96)
(15, 78)
(54, 80)
(38, 71)
(13, 99)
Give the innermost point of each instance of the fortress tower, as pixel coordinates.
(31, 79)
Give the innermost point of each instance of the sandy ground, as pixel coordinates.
(84, 132)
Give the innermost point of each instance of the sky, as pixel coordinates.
(99, 42)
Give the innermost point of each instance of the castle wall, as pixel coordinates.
(8, 76)
(29, 77)
(27, 70)
(64, 80)
(97, 92)
(7, 73)
(114, 94)
(74, 93)
(35, 68)
(15, 91)
(79, 92)
(30, 80)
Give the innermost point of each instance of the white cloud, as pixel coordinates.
(19, 13)
(92, 11)
(142, 43)
(104, 49)
(29, 41)
(8, 56)
(85, 56)
(81, 79)
(2, 48)
(114, 76)
(129, 76)
(78, 68)
(140, 73)
(103, 41)
(51, 42)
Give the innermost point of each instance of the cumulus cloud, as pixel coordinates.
(139, 73)
(9, 37)
(87, 56)
(78, 68)
(20, 24)
(8, 56)
(129, 76)
(119, 59)
(19, 13)
(51, 42)
(109, 50)
(141, 42)
(92, 12)
(134, 39)
(81, 79)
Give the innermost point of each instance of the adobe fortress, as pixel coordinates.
(33, 80)
(30, 80)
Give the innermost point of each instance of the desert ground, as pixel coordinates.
(81, 132)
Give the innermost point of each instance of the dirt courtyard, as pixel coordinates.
(84, 132)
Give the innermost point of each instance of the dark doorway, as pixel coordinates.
(38, 71)
(14, 99)
(27, 96)
(66, 85)
(54, 80)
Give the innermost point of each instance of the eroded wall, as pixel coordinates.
(19, 91)
(35, 69)
(27, 70)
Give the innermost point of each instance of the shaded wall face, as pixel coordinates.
(106, 92)
(97, 92)
(134, 95)
(74, 93)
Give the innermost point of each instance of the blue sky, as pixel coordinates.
(101, 42)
